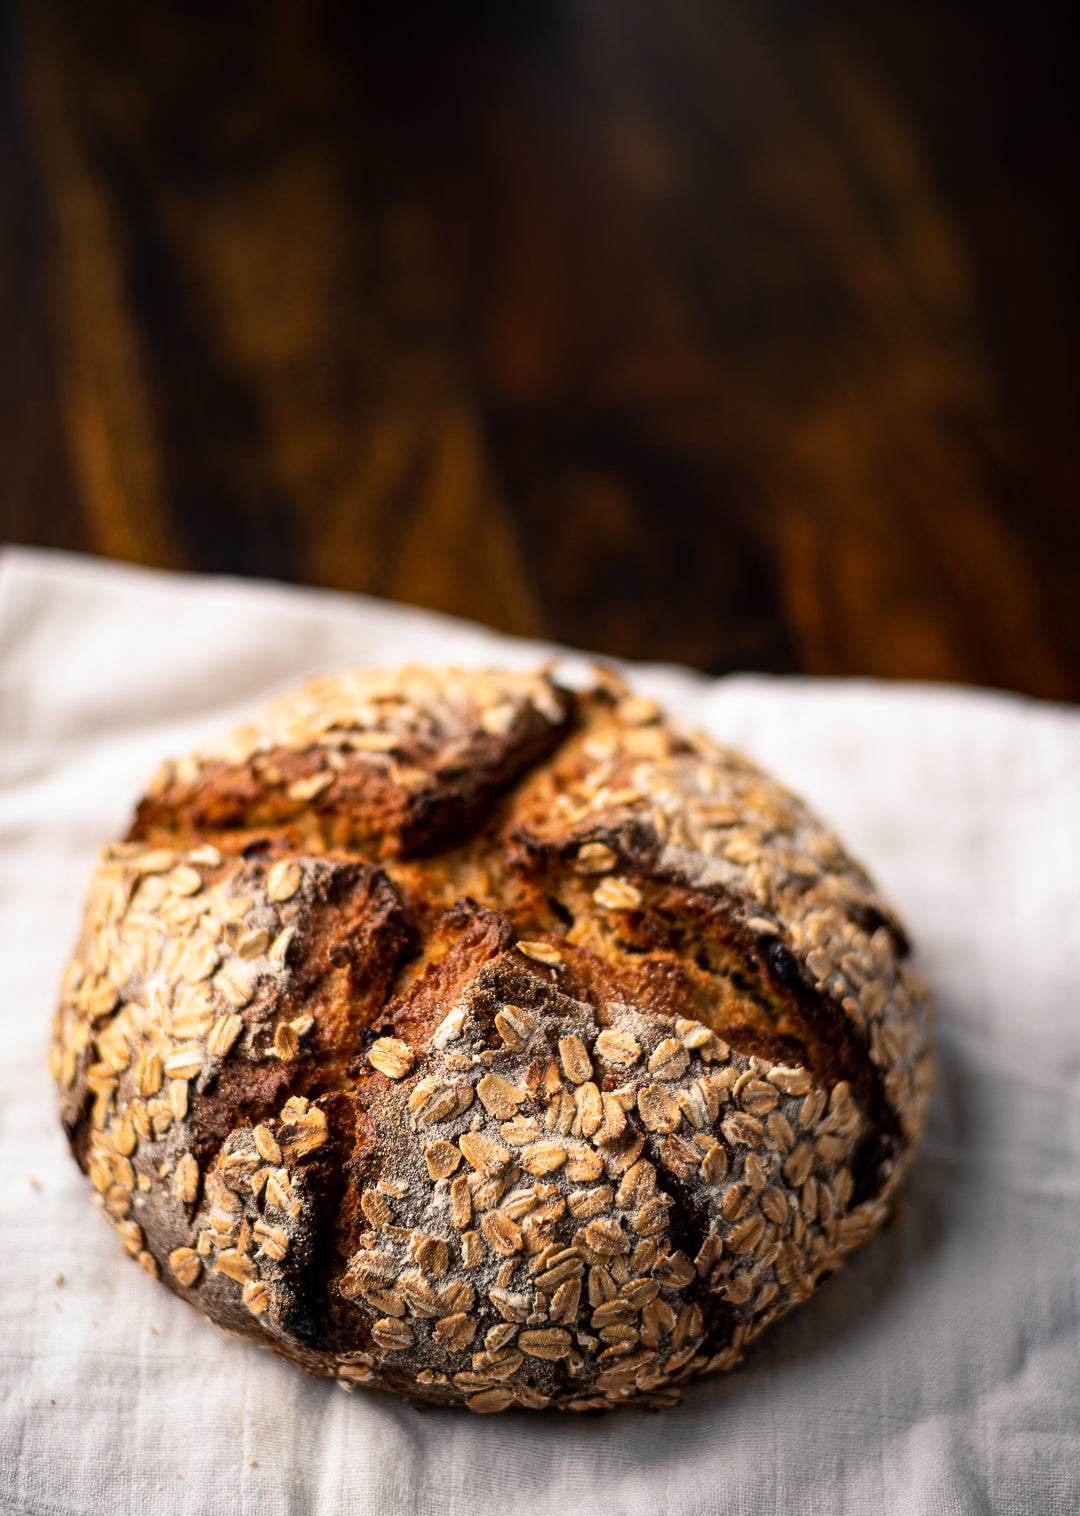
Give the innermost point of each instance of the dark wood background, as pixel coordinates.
(739, 334)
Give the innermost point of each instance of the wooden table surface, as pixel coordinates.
(744, 335)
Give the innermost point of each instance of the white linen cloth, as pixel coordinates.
(938, 1373)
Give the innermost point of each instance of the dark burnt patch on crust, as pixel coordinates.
(630, 840)
(307, 1312)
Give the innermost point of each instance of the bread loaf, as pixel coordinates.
(457, 1035)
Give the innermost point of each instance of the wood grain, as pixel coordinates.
(740, 336)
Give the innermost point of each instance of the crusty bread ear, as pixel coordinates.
(457, 1035)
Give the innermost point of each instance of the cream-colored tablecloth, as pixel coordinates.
(939, 1373)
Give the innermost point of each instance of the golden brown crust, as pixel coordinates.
(455, 1035)
(365, 762)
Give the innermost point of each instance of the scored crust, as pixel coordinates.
(454, 1034)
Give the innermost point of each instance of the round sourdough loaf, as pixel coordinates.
(458, 1035)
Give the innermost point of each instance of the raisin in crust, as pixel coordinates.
(457, 1035)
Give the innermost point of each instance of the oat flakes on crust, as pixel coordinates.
(456, 1035)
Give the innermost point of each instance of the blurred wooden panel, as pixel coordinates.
(689, 331)
(37, 500)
